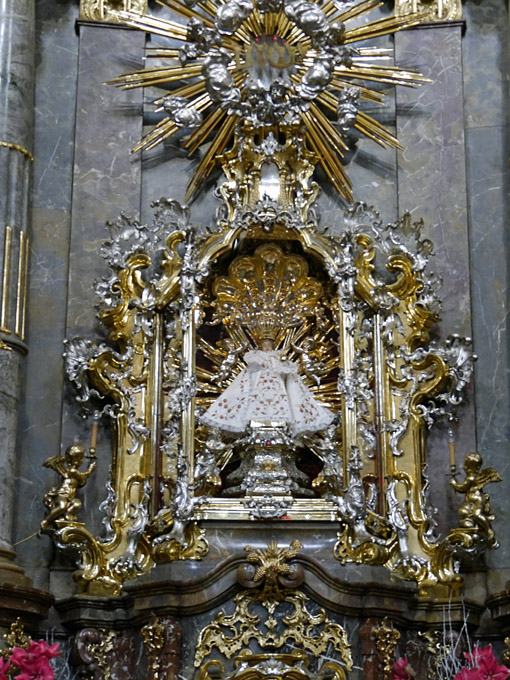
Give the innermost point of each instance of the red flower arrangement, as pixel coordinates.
(481, 665)
(33, 662)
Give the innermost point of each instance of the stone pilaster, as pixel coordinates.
(432, 185)
(106, 183)
(17, 41)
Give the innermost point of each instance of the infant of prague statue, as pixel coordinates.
(269, 389)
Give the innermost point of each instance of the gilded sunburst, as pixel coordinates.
(269, 63)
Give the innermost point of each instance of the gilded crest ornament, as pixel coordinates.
(106, 10)
(273, 588)
(386, 640)
(430, 10)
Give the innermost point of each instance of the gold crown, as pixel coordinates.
(266, 292)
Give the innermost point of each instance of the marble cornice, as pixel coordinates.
(460, 23)
(187, 597)
(101, 24)
(79, 611)
(499, 607)
(19, 600)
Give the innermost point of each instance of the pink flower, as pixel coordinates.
(4, 667)
(42, 648)
(37, 670)
(486, 664)
(34, 662)
(478, 654)
(402, 670)
(37, 650)
(468, 674)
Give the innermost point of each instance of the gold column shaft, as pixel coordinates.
(14, 284)
(380, 403)
(153, 461)
(6, 279)
(349, 412)
(188, 415)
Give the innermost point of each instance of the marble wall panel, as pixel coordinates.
(489, 190)
(106, 182)
(41, 409)
(431, 170)
(486, 58)
(432, 186)
(106, 177)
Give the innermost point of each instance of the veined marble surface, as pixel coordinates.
(41, 411)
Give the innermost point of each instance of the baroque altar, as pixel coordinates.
(263, 370)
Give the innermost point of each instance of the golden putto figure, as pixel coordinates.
(61, 500)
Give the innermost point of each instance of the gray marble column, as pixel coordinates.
(17, 42)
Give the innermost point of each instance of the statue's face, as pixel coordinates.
(266, 345)
(74, 455)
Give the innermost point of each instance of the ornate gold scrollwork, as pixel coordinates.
(180, 340)
(430, 11)
(16, 637)
(153, 636)
(106, 10)
(101, 649)
(250, 666)
(506, 653)
(274, 585)
(386, 640)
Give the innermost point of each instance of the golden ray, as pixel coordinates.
(156, 76)
(381, 74)
(333, 169)
(185, 11)
(380, 27)
(162, 53)
(201, 133)
(375, 52)
(204, 374)
(330, 132)
(253, 24)
(283, 25)
(161, 132)
(163, 27)
(371, 128)
(356, 11)
(296, 35)
(208, 8)
(208, 161)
